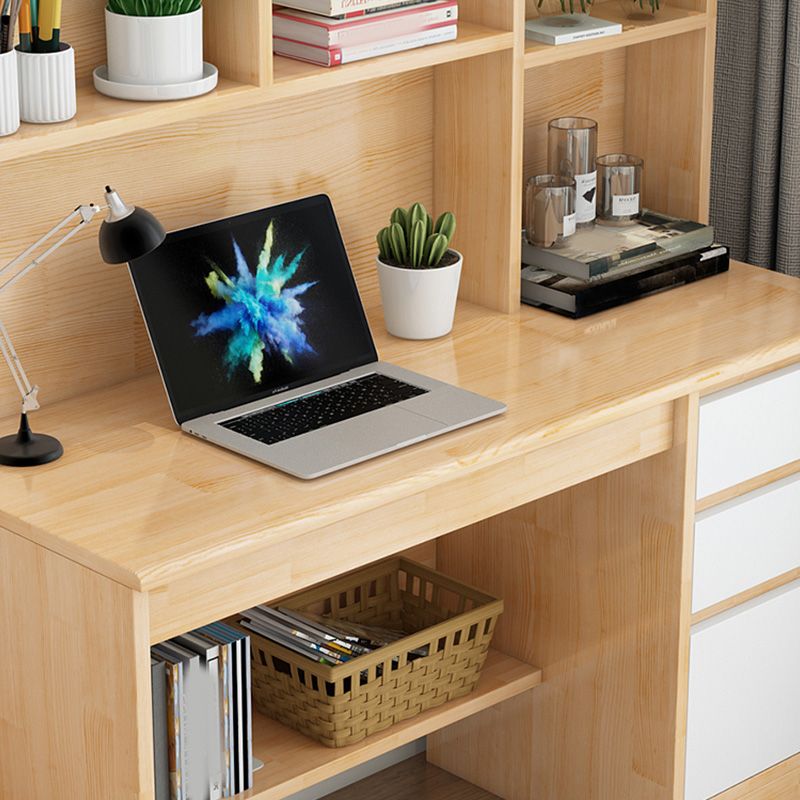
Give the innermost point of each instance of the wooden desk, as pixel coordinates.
(576, 506)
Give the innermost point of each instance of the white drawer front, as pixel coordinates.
(744, 692)
(746, 541)
(748, 430)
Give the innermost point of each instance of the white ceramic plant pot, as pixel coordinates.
(47, 85)
(155, 51)
(9, 93)
(419, 303)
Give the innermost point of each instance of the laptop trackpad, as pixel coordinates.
(353, 440)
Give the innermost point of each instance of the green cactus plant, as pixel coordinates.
(413, 240)
(153, 8)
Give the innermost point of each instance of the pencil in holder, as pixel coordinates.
(47, 85)
(9, 94)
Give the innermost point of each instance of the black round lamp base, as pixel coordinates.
(28, 449)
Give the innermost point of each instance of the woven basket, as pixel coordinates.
(343, 704)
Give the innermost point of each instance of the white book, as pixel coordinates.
(334, 57)
(300, 26)
(566, 28)
(343, 8)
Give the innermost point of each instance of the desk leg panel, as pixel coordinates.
(596, 581)
(75, 716)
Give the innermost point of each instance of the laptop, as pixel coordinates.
(264, 348)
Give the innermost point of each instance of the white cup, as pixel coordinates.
(47, 85)
(9, 94)
(154, 51)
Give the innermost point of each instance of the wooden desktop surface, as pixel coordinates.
(138, 501)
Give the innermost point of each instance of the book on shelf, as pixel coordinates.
(161, 762)
(312, 29)
(576, 298)
(207, 710)
(336, 56)
(567, 28)
(346, 8)
(591, 252)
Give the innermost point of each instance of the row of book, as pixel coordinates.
(334, 32)
(605, 266)
(202, 714)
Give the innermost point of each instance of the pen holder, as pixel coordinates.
(9, 94)
(47, 85)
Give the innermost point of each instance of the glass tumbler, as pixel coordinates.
(571, 151)
(549, 210)
(619, 188)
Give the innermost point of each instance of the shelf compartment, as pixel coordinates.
(669, 22)
(414, 777)
(100, 118)
(293, 77)
(293, 762)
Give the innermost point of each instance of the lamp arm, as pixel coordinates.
(86, 214)
(29, 393)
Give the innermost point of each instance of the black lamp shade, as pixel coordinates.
(131, 237)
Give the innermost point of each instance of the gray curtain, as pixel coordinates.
(755, 165)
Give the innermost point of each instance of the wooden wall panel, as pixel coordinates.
(666, 121)
(83, 26)
(75, 320)
(593, 86)
(75, 719)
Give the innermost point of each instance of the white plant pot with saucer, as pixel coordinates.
(155, 58)
(420, 303)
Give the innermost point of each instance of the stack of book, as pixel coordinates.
(335, 32)
(605, 266)
(202, 714)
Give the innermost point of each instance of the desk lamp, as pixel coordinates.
(126, 234)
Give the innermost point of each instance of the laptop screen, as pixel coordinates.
(247, 307)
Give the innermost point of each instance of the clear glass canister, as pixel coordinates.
(549, 210)
(572, 150)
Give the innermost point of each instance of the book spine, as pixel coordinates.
(402, 23)
(215, 741)
(175, 718)
(337, 56)
(346, 8)
(160, 730)
(248, 708)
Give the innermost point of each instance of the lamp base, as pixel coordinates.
(28, 449)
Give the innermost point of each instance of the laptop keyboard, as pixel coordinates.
(323, 408)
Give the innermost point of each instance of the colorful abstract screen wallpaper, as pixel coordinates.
(253, 305)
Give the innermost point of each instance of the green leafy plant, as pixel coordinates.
(654, 5)
(412, 239)
(153, 8)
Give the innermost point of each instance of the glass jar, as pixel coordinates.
(571, 151)
(549, 210)
(619, 188)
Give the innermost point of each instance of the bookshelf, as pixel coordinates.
(293, 762)
(459, 126)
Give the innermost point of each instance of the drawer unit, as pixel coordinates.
(744, 692)
(746, 541)
(748, 430)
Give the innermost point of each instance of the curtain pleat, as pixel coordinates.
(755, 169)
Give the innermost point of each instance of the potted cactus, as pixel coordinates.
(419, 273)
